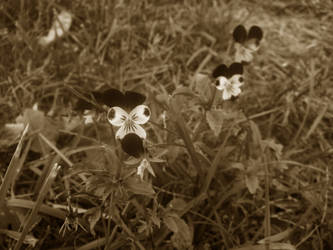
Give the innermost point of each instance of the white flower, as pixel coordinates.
(246, 43)
(230, 87)
(61, 24)
(129, 123)
(143, 166)
(243, 54)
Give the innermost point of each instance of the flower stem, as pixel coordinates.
(186, 137)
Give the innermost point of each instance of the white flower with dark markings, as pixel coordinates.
(129, 122)
(229, 79)
(229, 87)
(246, 43)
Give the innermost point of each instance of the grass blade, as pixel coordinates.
(44, 190)
(13, 168)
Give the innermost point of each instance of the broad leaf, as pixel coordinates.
(252, 183)
(271, 144)
(93, 218)
(137, 186)
(177, 204)
(215, 120)
(183, 236)
(202, 85)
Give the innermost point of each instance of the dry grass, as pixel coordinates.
(279, 135)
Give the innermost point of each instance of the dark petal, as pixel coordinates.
(132, 144)
(133, 99)
(82, 100)
(110, 97)
(111, 114)
(240, 34)
(244, 63)
(146, 112)
(82, 105)
(255, 33)
(221, 70)
(234, 98)
(235, 68)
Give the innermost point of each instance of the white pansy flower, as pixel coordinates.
(129, 123)
(60, 26)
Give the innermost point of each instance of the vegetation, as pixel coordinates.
(245, 171)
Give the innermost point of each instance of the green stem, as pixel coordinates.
(186, 138)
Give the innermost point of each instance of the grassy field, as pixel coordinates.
(250, 173)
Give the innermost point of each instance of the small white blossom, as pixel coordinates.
(129, 123)
(230, 87)
(60, 26)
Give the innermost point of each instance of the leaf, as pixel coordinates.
(183, 236)
(277, 148)
(157, 160)
(38, 204)
(156, 220)
(162, 98)
(132, 161)
(38, 122)
(183, 91)
(237, 165)
(256, 135)
(276, 237)
(202, 85)
(273, 246)
(252, 183)
(29, 239)
(215, 120)
(97, 157)
(251, 176)
(136, 186)
(174, 152)
(177, 204)
(14, 128)
(70, 123)
(170, 222)
(35, 118)
(93, 218)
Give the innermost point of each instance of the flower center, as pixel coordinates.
(228, 87)
(129, 125)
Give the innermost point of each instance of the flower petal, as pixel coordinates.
(132, 144)
(221, 70)
(137, 129)
(130, 127)
(117, 116)
(62, 23)
(111, 97)
(222, 82)
(252, 45)
(140, 114)
(256, 33)
(237, 80)
(121, 132)
(226, 95)
(239, 34)
(133, 99)
(243, 54)
(235, 68)
(235, 90)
